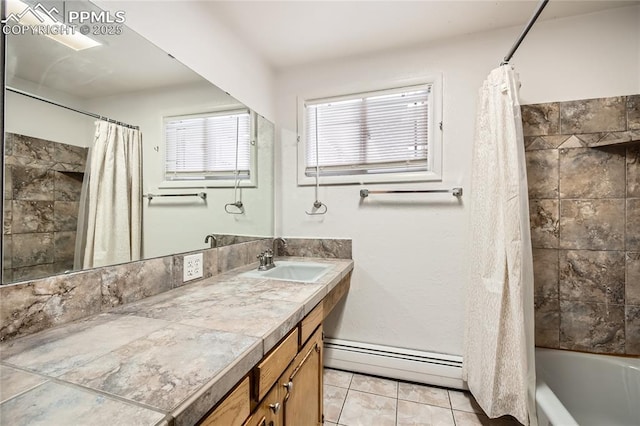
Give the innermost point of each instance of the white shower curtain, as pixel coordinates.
(498, 362)
(114, 197)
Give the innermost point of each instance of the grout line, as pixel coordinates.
(397, 400)
(344, 402)
(376, 394)
(451, 405)
(397, 392)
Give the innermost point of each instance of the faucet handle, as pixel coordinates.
(268, 254)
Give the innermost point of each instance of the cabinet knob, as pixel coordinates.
(288, 386)
(275, 407)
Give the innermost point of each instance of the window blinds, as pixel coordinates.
(377, 132)
(206, 146)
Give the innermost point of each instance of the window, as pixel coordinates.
(378, 136)
(208, 147)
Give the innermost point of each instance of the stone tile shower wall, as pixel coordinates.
(42, 193)
(583, 167)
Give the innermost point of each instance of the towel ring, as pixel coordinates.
(238, 205)
(315, 210)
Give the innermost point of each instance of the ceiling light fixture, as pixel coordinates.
(40, 21)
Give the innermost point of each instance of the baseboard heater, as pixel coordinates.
(395, 363)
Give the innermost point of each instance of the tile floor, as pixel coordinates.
(352, 399)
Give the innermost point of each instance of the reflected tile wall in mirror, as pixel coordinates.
(41, 206)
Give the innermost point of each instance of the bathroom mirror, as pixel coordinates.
(50, 87)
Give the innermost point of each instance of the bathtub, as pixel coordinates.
(588, 390)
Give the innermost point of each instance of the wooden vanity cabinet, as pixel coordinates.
(285, 387)
(287, 383)
(296, 397)
(302, 400)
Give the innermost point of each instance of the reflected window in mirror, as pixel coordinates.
(211, 148)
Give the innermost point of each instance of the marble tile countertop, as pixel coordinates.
(165, 360)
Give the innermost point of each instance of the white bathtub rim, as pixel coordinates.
(632, 361)
(561, 361)
(551, 407)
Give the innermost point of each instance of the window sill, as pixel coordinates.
(172, 184)
(304, 180)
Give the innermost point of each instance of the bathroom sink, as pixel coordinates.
(307, 272)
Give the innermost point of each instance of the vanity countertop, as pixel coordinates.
(164, 360)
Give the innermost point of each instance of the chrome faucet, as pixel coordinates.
(267, 256)
(275, 245)
(266, 260)
(211, 238)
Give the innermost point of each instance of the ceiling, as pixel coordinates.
(288, 33)
(122, 64)
(284, 33)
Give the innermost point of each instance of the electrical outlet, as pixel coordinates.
(192, 267)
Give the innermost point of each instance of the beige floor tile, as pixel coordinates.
(464, 418)
(382, 387)
(352, 399)
(333, 401)
(424, 394)
(414, 414)
(341, 379)
(366, 409)
(464, 401)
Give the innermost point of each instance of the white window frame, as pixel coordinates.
(434, 172)
(214, 183)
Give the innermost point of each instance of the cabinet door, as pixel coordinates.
(303, 398)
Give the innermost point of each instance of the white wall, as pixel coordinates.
(192, 33)
(172, 225)
(410, 252)
(31, 117)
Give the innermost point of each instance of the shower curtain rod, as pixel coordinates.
(532, 21)
(90, 114)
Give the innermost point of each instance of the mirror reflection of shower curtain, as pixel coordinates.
(110, 217)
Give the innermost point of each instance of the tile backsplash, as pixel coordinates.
(32, 306)
(583, 170)
(310, 247)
